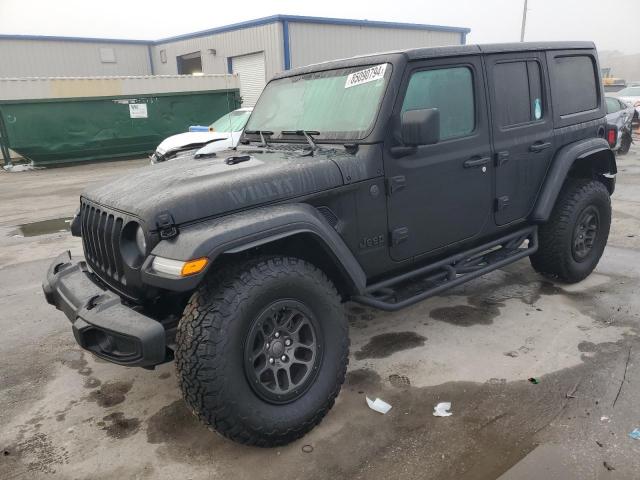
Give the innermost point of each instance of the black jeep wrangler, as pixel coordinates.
(383, 180)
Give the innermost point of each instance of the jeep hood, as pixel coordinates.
(193, 189)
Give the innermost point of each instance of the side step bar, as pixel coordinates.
(452, 271)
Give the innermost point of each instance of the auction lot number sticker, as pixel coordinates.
(365, 76)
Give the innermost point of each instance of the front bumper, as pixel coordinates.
(101, 323)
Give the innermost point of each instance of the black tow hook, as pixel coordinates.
(92, 302)
(60, 266)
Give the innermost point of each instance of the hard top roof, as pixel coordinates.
(438, 52)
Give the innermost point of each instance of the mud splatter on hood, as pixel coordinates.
(194, 189)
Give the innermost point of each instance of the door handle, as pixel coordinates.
(539, 146)
(474, 162)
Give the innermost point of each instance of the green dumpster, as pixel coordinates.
(62, 129)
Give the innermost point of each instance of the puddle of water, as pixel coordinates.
(44, 227)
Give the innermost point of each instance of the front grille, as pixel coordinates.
(101, 242)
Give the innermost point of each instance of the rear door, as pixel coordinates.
(522, 131)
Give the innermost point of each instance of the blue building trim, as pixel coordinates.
(285, 44)
(150, 54)
(317, 20)
(372, 23)
(54, 38)
(284, 19)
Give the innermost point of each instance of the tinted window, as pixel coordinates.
(612, 105)
(629, 92)
(575, 82)
(518, 92)
(450, 90)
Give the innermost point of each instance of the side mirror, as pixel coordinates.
(421, 126)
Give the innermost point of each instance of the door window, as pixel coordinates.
(450, 90)
(518, 92)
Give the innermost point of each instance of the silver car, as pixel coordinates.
(631, 96)
(621, 114)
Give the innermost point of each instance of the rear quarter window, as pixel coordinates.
(575, 86)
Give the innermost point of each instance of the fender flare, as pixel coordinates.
(563, 161)
(242, 231)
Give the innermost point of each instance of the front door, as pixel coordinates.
(441, 194)
(522, 131)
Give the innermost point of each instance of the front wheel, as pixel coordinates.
(262, 350)
(572, 241)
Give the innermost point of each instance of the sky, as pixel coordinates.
(612, 25)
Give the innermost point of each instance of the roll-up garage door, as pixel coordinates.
(251, 70)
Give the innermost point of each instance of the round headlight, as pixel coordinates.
(141, 241)
(133, 244)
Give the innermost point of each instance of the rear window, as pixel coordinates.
(630, 92)
(613, 105)
(575, 81)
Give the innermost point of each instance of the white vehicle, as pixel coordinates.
(631, 96)
(222, 134)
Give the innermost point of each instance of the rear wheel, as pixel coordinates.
(572, 241)
(262, 350)
(625, 144)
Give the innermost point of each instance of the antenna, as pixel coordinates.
(524, 21)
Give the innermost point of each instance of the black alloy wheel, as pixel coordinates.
(283, 351)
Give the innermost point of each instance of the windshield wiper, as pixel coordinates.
(262, 133)
(307, 134)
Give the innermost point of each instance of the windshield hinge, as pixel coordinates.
(166, 226)
(351, 148)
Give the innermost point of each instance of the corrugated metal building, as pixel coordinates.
(35, 56)
(255, 50)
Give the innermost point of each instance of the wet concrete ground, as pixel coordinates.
(65, 414)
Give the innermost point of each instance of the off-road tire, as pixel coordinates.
(556, 256)
(211, 340)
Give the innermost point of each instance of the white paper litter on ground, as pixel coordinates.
(442, 410)
(378, 405)
(21, 167)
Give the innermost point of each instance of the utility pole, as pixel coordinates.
(524, 21)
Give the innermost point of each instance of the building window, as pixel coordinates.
(189, 64)
(163, 56)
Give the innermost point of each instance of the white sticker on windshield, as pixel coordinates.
(365, 76)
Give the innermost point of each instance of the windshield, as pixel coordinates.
(630, 92)
(231, 122)
(339, 104)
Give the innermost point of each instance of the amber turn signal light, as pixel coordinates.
(194, 266)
